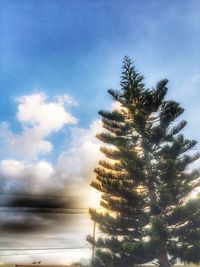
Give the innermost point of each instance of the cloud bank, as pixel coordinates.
(39, 119)
(22, 172)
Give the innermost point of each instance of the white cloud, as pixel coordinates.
(39, 119)
(11, 168)
(66, 99)
(20, 176)
(74, 168)
(76, 164)
(27, 144)
(44, 116)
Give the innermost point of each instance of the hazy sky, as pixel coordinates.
(57, 60)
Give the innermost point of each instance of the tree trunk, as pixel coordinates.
(163, 259)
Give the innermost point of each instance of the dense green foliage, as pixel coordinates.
(145, 180)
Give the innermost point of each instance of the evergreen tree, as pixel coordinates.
(145, 180)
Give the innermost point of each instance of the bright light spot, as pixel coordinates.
(94, 199)
(195, 192)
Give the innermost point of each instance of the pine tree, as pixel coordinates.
(146, 180)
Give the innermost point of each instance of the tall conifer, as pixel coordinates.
(145, 180)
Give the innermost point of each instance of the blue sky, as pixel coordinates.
(76, 47)
(57, 60)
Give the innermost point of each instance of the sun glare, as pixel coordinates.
(94, 199)
(195, 193)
